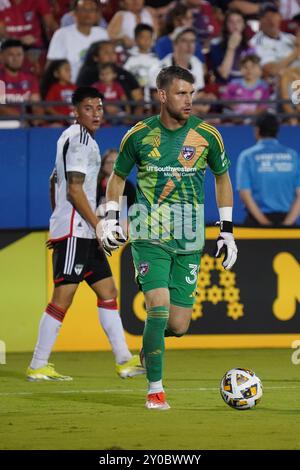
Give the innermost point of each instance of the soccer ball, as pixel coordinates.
(241, 389)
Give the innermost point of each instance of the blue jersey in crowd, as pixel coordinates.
(271, 172)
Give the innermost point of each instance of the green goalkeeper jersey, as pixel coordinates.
(171, 164)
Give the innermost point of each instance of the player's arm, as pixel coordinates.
(77, 197)
(219, 164)
(109, 230)
(52, 182)
(115, 188)
(225, 242)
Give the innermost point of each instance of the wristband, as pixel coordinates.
(225, 213)
(226, 226)
(112, 210)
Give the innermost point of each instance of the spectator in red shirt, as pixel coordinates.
(56, 85)
(22, 19)
(20, 86)
(111, 89)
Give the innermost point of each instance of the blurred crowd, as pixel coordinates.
(244, 54)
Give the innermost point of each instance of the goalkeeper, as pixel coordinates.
(171, 152)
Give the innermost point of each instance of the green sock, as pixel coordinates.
(154, 341)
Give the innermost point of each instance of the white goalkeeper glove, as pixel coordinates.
(226, 244)
(109, 231)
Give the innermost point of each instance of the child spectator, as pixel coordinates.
(142, 59)
(250, 87)
(111, 89)
(56, 85)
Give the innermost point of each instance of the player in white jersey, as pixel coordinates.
(77, 253)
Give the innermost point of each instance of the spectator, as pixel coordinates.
(103, 52)
(23, 19)
(287, 81)
(56, 86)
(121, 27)
(289, 9)
(179, 16)
(276, 49)
(160, 10)
(111, 90)
(250, 87)
(268, 178)
(184, 44)
(107, 165)
(204, 20)
(72, 42)
(225, 52)
(247, 8)
(141, 58)
(69, 18)
(20, 86)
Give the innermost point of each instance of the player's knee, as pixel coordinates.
(158, 300)
(110, 293)
(177, 332)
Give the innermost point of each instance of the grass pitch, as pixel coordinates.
(100, 411)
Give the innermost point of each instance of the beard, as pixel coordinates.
(177, 115)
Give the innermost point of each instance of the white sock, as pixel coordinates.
(111, 323)
(48, 332)
(155, 387)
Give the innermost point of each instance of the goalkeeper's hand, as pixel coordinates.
(109, 230)
(226, 244)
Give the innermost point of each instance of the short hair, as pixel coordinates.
(168, 74)
(267, 124)
(255, 59)
(142, 27)
(84, 92)
(75, 3)
(8, 43)
(267, 7)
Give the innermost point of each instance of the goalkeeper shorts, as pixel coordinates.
(155, 267)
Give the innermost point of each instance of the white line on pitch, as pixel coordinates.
(66, 392)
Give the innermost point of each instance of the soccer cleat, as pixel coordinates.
(46, 373)
(157, 401)
(130, 368)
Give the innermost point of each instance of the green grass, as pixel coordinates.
(100, 411)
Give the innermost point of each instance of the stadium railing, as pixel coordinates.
(222, 115)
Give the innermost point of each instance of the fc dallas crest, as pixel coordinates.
(143, 268)
(188, 152)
